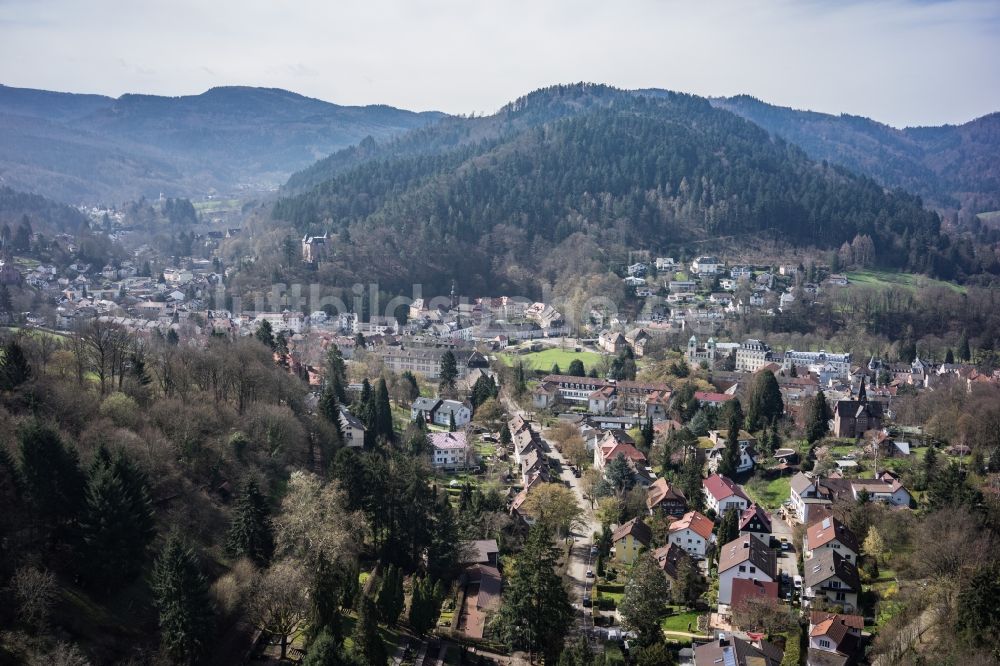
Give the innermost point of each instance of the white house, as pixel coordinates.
(830, 534)
(744, 441)
(722, 494)
(692, 533)
(352, 429)
(807, 496)
(706, 266)
(449, 450)
(746, 558)
(832, 579)
(449, 408)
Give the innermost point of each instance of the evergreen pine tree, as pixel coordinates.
(382, 418)
(250, 533)
(326, 597)
(265, 334)
(369, 650)
(730, 460)
(180, 593)
(648, 434)
(329, 408)
(949, 357)
(336, 373)
(817, 418)
(14, 369)
(117, 523)
(576, 368)
(53, 481)
(536, 611)
(964, 353)
(765, 405)
(729, 528)
(449, 371)
(452, 427)
(325, 650)
(555, 369)
(505, 437)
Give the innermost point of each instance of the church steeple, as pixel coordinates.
(862, 393)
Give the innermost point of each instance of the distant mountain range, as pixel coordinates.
(90, 148)
(566, 168)
(950, 167)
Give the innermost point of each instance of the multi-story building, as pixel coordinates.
(752, 355)
(839, 365)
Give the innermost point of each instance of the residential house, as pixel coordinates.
(314, 248)
(612, 342)
(424, 408)
(755, 521)
(886, 487)
(809, 497)
(830, 534)
(352, 429)
(745, 442)
(630, 539)
(834, 639)
(723, 494)
(730, 650)
(692, 533)
(715, 400)
(745, 558)
(668, 557)
(449, 450)
(831, 579)
(480, 551)
(747, 590)
(453, 409)
(664, 498)
(706, 265)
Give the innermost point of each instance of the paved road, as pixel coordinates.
(580, 558)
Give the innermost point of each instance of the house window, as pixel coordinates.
(834, 584)
(742, 569)
(824, 643)
(753, 570)
(841, 596)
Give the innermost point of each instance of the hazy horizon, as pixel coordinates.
(901, 62)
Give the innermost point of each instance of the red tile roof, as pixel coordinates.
(699, 524)
(721, 487)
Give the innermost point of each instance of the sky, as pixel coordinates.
(902, 62)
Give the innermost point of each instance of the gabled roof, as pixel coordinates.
(660, 491)
(827, 564)
(749, 513)
(829, 529)
(721, 487)
(855, 622)
(747, 548)
(478, 550)
(732, 651)
(611, 451)
(638, 529)
(747, 589)
(669, 557)
(425, 404)
(699, 524)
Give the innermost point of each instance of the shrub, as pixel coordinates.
(121, 409)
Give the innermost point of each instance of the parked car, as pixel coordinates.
(586, 601)
(590, 573)
(593, 550)
(797, 582)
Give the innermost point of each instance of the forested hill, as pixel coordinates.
(90, 148)
(628, 171)
(950, 167)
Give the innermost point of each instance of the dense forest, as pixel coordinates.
(950, 166)
(626, 171)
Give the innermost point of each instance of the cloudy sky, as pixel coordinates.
(904, 62)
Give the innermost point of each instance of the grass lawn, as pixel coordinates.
(615, 592)
(215, 205)
(545, 359)
(884, 279)
(771, 493)
(680, 622)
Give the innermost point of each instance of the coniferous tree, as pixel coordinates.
(449, 371)
(336, 373)
(730, 460)
(691, 482)
(452, 427)
(54, 484)
(326, 597)
(329, 407)
(325, 650)
(180, 592)
(390, 596)
(505, 437)
(536, 611)
(265, 334)
(765, 405)
(645, 600)
(382, 417)
(117, 523)
(817, 418)
(250, 533)
(15, 369)
(949, 357)
(729, 528)
(964, 353)
(555, 369)
(369, 650)
(648, 434)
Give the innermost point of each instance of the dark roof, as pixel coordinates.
(638, 529)
(828, 563)
(747, 548)
(669, 557)
(733, 651)
(750, 512)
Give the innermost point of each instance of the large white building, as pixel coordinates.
(449, 450)
(838, 365)
(752, 355)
